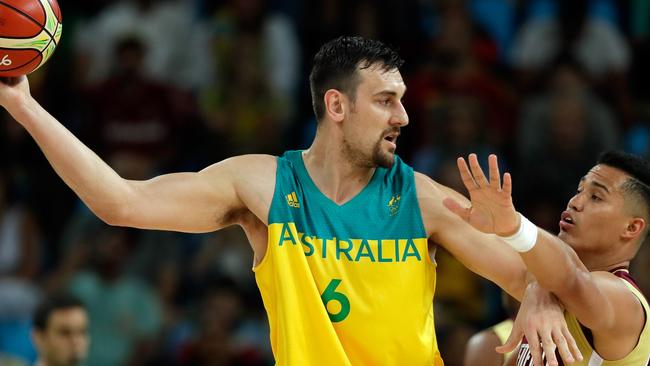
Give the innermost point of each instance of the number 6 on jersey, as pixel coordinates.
(330, 294)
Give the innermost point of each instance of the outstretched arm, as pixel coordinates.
(485, 255)
(599, 300)
(188, 202)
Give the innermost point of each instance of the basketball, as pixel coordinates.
(29, 32)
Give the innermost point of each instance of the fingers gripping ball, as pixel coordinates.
(29, 32)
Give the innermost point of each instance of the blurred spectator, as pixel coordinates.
(250, 100)
(497, 17)
(19, 265)
(61, 331)
(218, 340)
(168, 30)
(456, 129)
(560, 133)
(459, 66)
(134, 118)
(125, 313)
(584, 30)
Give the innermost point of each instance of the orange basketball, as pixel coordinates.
(29, 32)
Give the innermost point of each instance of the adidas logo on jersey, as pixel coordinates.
(292, 200)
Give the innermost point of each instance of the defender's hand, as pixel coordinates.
(541, 319)
(492, 210)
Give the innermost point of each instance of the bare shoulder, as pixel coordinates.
(625, 302)
(430, 196)
(252, 177)
(425, 186)
(245, 165)
(629, 320)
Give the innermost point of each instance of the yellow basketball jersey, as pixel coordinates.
(348, 284)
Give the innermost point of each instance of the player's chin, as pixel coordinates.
(567, 237)
(385, 159)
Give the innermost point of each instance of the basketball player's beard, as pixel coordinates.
(377, 158)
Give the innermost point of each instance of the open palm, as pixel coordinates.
(492, 210)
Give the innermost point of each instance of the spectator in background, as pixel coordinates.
(255, 53)
(61, 331)
(456, 129)
(124, 311)
(168, 31)
(19, 265)
(135, 117)
(584, 30)
(218, 339)
(459, 65)
(559, 130)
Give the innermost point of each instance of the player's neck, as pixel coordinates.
(334, 175)
(599, 262)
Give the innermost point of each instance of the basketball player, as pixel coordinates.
(339, 232)
(61, 332)
(586, 265)
(480, 349)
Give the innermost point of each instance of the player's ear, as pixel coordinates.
(635, 228)
(334, 101)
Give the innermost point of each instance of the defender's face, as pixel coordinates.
(595, 217)
(65, 340)
(373, 124)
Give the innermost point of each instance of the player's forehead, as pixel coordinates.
(605, 177)
(376, 79)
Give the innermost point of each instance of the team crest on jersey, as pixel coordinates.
(292, 200)
(393, 205)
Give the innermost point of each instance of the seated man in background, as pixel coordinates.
(61, 331)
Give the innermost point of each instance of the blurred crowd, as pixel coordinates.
(156, 86)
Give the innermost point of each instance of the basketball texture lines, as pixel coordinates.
(30, 30)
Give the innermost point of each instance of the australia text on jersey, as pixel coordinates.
(353, 250)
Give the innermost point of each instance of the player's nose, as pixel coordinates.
(400, 117)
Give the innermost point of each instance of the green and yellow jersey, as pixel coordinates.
(349, 284)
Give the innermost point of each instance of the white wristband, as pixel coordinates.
(525, 238)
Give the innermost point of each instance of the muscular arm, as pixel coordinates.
(481, 253)
(187, 202)
(599, 300)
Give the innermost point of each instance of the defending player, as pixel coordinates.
(586, 265)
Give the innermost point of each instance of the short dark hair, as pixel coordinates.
(335, 66)
(638, 168)
(51, 304)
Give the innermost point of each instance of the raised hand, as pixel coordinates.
(541, 319)
(492, 210)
